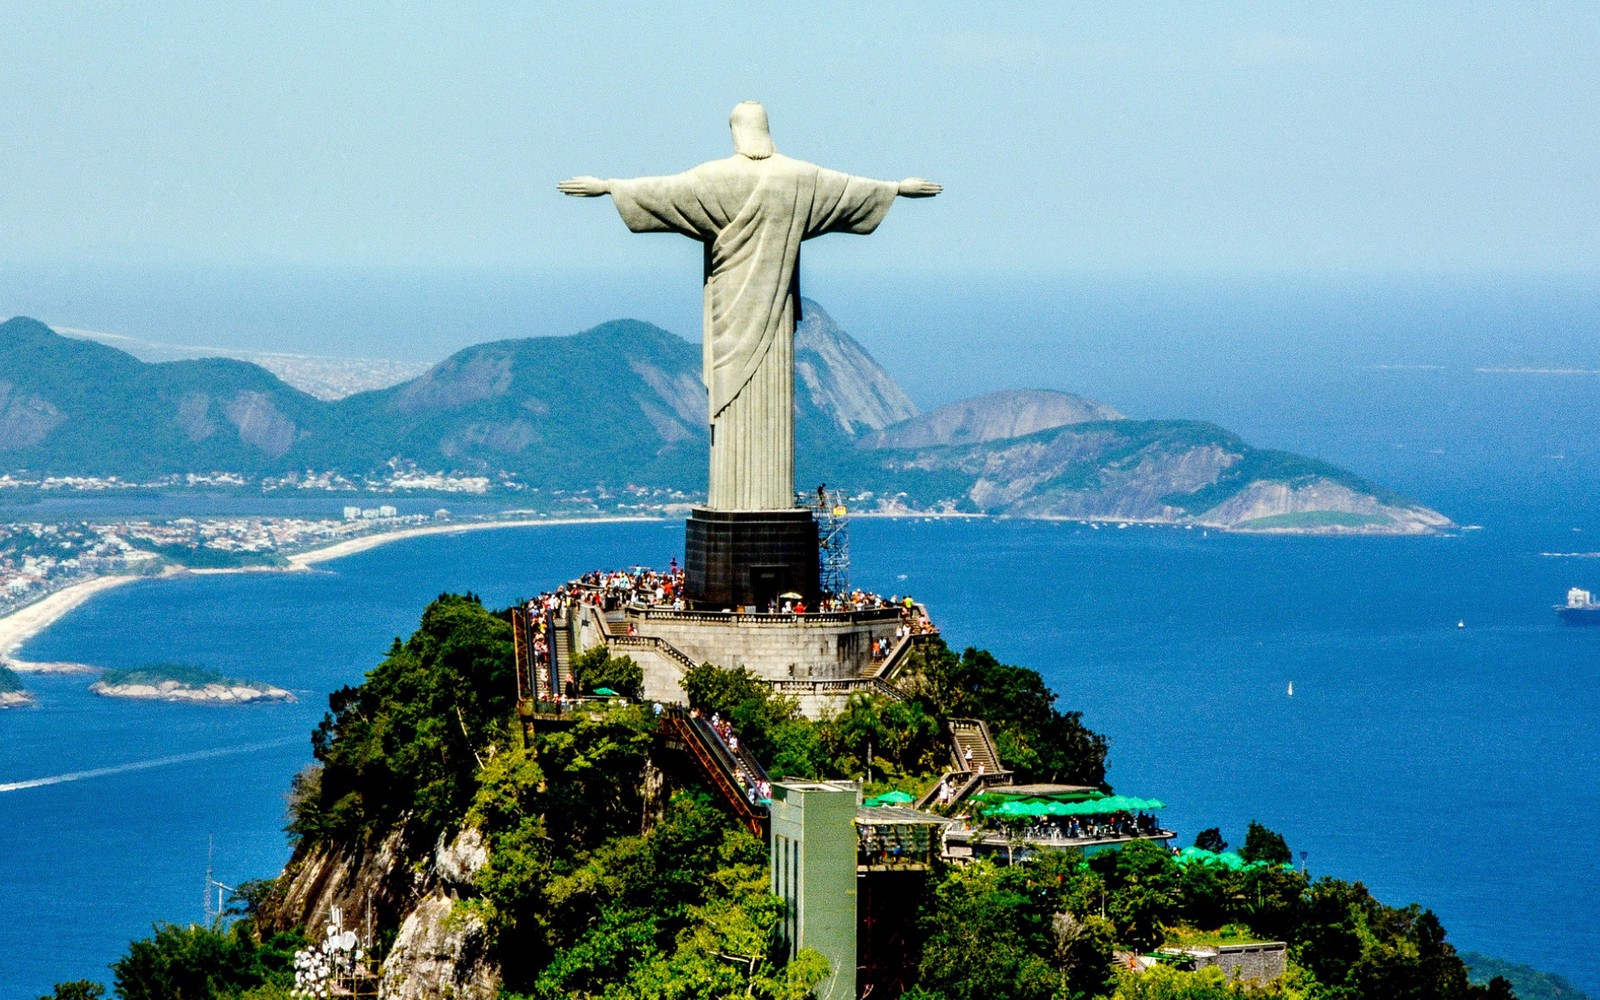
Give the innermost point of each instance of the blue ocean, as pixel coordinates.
(1442, 742)
(1451, 766)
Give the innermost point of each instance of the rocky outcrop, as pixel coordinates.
(442, 945)
(25, 418)
(1323, 505)
(841, 380)
(993, 417)
(1178, 472)
(15, 699)
(207, 694)
(373, 876)
(442, 949)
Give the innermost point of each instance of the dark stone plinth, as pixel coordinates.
(749, 557)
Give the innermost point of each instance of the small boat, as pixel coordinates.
(1580, 608)
(1291, 689)
(1461, 623)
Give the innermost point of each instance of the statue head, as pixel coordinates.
(751, 137)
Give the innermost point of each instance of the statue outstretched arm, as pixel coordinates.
(917, 187)
(584, 187)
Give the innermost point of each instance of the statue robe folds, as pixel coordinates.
(752, 215)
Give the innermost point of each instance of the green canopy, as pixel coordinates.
(606, 693)
(1226, 859)
(890, 798)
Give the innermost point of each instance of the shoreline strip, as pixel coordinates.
(25, 623)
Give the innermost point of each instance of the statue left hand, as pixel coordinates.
(917, 187)
(584, 187)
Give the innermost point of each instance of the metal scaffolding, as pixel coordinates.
(833, 537)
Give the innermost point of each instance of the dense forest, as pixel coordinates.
(603, 881)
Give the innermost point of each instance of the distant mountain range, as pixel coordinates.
(622, 405)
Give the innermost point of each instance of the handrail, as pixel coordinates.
(719, 765)
(683, 660)
(932, 795)
(762, 618)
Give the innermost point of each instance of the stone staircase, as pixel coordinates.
(974, 747)
(975, 765)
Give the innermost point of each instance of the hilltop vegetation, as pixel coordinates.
(600, 878)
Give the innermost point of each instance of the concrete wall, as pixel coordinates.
(776, 648)
(1259, 962)
(813, 847)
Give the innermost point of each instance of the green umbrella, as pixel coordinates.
(896, 797)
(606, 693)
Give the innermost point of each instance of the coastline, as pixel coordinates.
(303, 561)
(25, 623)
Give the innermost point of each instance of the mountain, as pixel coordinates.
(1145, 470)
(80, 408)
(1006, 414)
(622, 405)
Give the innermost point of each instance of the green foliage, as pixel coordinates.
(681, 911)
(1035, 740)
(1527, 982)
(410, 739)
(1210, 839)
(9, 681)
(199, 963)
(185, 674)
(1023, 931)
(770, 725)
(1166, 983)
(1262, 844)
(596, 668)
(883, 740)
(77, 989)
(1143, 886)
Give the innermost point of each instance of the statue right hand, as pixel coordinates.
(917, 187)
(584, 187)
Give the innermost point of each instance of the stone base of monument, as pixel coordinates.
(749, 559)
(818, 659)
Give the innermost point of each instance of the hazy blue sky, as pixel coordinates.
(1143, 137)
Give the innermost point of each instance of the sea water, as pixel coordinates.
(1451, 766)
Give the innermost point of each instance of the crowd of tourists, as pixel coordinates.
(746, 772)
(1112, 826)
(641, 587)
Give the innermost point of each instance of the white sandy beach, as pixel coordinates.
(24, 623)
(338, 550)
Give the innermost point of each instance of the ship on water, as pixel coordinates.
(1580, 608)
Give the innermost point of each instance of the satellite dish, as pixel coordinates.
(347, 941)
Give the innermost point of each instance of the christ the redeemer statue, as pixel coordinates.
(752, 211)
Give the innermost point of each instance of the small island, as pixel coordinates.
(12, 694)
(181, 682)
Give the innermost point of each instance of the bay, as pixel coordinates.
(1451, 766)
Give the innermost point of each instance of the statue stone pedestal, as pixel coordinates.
(748, 558)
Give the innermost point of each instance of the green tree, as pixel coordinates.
(985, 937)
(596, 668)
(768, 724)
(1036, 740)
(1262, 844)
(1143, 886)
(199, 963)
(77, 989)
(411, 737)
(1210, 839)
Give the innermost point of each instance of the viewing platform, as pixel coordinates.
(850, 643)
